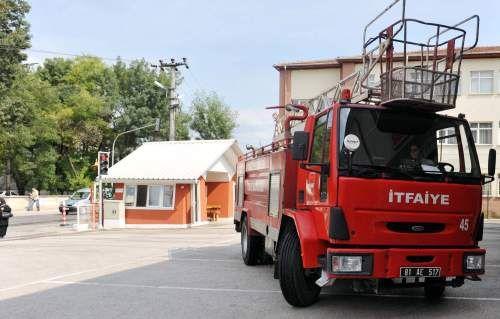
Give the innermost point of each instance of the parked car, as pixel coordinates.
(8, 193)
(78, 198)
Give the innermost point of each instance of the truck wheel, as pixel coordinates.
(251, 246)
(237, 226)
(299, 289)
(434, 289)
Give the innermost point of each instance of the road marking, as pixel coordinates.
(235, 240)
(87, 283)
(166, 257)
(97, 284)
(206, 259)
(414, 296)
(445, 297)
(138, 260)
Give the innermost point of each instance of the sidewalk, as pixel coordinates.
(34, 212)
(37, 224)
(39, 230)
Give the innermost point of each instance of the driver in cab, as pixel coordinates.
(416, 161)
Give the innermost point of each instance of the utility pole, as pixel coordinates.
(172, 94)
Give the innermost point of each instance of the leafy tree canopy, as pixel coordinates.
(14, 37)
(212, 118)
(56, 118)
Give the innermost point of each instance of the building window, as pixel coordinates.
(447, 136)
(152, 196)
(373, 81)
(168, 196)
(154, 193)
(487, 189)
(482, 132)
(481, 82)
(497, 192)
(130, 191)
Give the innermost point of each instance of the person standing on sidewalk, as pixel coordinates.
(5, 214)
(34, 200)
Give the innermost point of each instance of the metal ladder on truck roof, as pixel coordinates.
(422, 73)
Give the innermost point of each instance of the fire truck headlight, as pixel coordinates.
(347, 263)
(473, 263)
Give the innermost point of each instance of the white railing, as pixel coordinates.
(85, 218)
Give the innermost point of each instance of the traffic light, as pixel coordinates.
(103, 167)
(157, 124)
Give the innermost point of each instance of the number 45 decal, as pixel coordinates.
(464, 224)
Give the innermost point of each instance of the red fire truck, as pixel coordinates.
(375, 186)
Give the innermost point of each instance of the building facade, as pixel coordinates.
(478, 98)
(174, 184)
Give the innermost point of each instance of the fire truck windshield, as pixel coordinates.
(405, 145)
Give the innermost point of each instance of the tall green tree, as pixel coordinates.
(212, 118)
(139, 103)
(14, 37)
(87, 91)
(27, 118)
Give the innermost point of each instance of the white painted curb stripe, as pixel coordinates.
(86, 283)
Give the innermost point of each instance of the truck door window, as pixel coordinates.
(466, 150)
(320, 151)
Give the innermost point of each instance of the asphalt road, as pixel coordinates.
(197, 273)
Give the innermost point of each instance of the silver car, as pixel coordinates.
(79, 198)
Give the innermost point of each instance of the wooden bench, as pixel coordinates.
(213, 212)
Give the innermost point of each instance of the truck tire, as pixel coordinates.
(434, 289)
(251, 246)
(299, 289)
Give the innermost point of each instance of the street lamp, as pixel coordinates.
(161, 86)
(156, 124)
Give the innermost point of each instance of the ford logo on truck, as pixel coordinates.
(426, 198)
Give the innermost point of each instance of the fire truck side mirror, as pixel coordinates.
(300, 145)
(492, 160)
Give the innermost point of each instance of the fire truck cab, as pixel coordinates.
(364, 189)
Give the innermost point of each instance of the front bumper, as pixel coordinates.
(387, 263)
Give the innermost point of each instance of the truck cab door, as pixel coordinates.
(318, 171)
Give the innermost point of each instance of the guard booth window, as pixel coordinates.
(320, 151)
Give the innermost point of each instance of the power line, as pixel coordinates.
(195, 83)
(171, 91)
(81, 55)
(74, 55)
(199, 85)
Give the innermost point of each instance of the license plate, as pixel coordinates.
(420, 271)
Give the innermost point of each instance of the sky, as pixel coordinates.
(231, 46)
